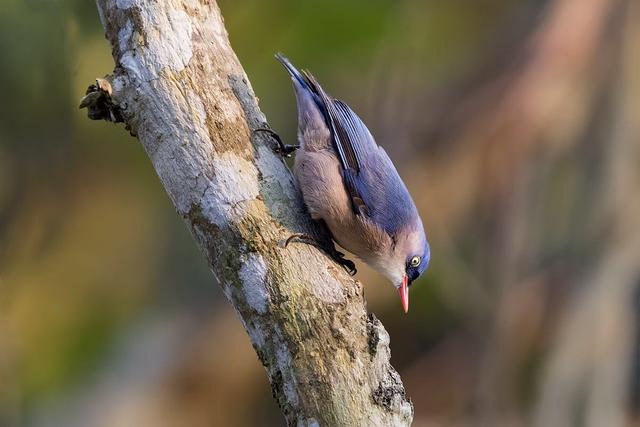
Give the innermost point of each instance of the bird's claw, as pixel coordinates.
(348, 265)
(283, 149)
(335, 254)
(303, 237)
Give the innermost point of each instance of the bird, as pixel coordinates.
(351, 186)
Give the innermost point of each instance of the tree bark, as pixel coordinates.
(180, 88)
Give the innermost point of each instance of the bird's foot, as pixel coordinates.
(347, 264)
(283, 149)
(330, 250)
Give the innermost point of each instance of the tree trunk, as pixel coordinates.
(180, 88)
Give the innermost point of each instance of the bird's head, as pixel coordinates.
(404, 261)
(416, 263)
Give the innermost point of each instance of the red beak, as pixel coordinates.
(404, 293)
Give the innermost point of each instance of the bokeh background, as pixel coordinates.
(516, 125)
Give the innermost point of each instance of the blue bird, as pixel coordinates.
(348, 182)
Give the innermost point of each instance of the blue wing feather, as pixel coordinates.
(355, 134)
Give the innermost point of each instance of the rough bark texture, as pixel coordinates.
(181, 90)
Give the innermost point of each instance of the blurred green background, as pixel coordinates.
(516, 125)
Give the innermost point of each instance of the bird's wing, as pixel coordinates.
(350, 134)
(353, 143)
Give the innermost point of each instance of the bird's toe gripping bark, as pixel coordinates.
(330, 250)
(281, 148)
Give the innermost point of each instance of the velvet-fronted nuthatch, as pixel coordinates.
(349, 183)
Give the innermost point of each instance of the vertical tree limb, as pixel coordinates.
(181, 90)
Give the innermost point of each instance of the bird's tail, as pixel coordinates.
(309, 96)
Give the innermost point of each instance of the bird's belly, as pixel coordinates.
(351, 236)
(320, 181)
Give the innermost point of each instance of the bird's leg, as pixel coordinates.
(340, 259)
(336, 254)
(283, 149)
(329, 248)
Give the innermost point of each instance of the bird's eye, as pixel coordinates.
(415, 261)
